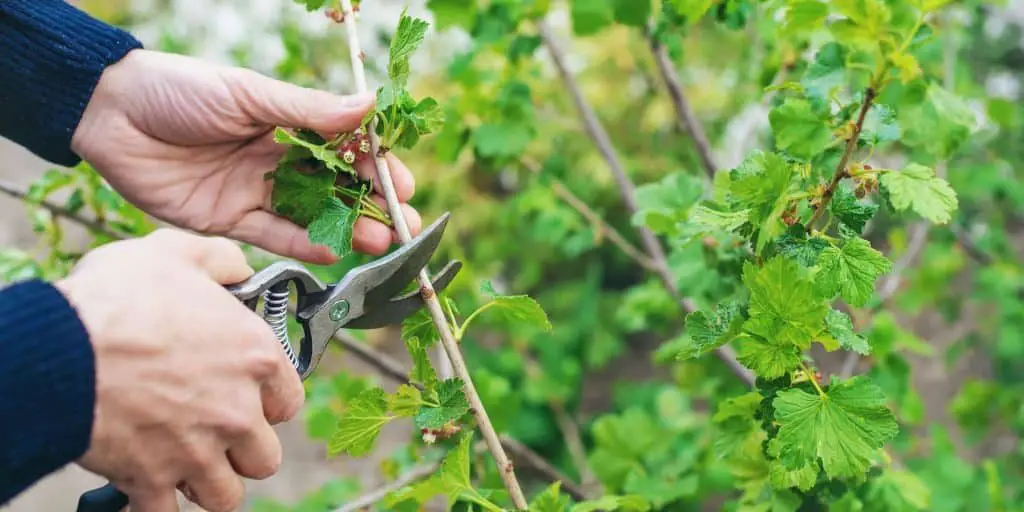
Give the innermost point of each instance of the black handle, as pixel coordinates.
(103, 499)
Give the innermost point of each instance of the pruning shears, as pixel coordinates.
(367, 297)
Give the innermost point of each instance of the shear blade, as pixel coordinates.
(397, 309)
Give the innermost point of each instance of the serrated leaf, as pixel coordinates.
(708, 331)
(517, 309)
(454, 473)
(706, 218)
(781, 477)
(916, 187)
(448, 13)
(408, 37)
(851, 271)
(897, 490)
(590, 16)
(333, 227)
(450, 405)
(761, 185)
(880, 125)
(405, 401)
(663, 204)
(801, 248)
(422, 370)
(827, 73)
(419, 325)
(850, 211)
(629, 502)
(844, 429)
(550, 500)
(316, 149)
(300, 197)
(840, 327)
(360, 424)
(783, 305)
(767, 358)
(798, 130)
(805, 15)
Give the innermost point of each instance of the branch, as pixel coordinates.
(451, 347)
(627, 190)
(684, 113)
(851, 144)
(92, 225)
(394, 370)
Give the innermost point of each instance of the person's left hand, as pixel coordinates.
(189, 142)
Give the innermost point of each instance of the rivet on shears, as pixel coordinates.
(339, 310)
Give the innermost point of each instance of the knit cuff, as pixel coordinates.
(53, 56)
(48, 376)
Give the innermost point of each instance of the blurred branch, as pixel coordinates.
(595, 220)
(414, 475)
(684, 113)
(59, 211)
(627, 190)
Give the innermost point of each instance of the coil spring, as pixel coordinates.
(275, 312)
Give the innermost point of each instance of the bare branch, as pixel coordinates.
(90, 224)
(687, 120)
(379, 494)
(627, 190)
(451, 347)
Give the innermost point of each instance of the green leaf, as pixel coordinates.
(761, 184)
(851, 212)
(692, 10)
(405, 401)
(452, 13)
(450, 405)
(805, 15)
(706, 332)
(781, 477)
(634, 13)
(333, 227)
(515, 309)
(844, 428)
(940, 124)
(590, 16)
(550, 500)
(360, 424)
(767, 358)
(422, 370)
(916, 187)
(797, 246)
(851, 271)
(783, 305)
(300, 197)
(880, 125)
(454, 474)
(707, 217)
(664, 203)
(629, 502)
(827, 73)
(840, 327)
(798, 130)
(311, 143)
(419, 325)
(897, 490)
(408, 37)
(312, 5)
(502, 139)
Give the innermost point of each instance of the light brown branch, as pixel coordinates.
(687, 120)
(92, 225)
(627, 190)
(371, 498)
(451, 347)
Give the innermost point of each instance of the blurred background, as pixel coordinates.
(953, 329)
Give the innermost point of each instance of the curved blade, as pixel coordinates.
(399, 308)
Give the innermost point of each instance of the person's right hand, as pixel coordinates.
(188, 380)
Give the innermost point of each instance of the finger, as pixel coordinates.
(223, 260)
(217, 488)
(258, 454)
(401, 176)
(273, 102)
(370, 236)
(280, 236)
(152, 500)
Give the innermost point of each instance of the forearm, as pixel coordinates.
(47, 374)
(51, 57)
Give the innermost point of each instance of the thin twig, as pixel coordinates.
(451, 347)
(371, 498)
(627, 190)
(574, 443)
(684, 113)
(92, 225)
(382, 362)
(533, 460)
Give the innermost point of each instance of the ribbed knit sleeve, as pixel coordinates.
(51, 58)
(48, 379)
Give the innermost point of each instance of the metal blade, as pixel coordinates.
(399, 308)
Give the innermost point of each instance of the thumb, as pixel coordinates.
(220, 258)
(273, 102)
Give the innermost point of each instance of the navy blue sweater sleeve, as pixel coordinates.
(51, 57)
(48, 378)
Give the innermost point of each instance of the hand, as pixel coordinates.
(189, 143)
(188, 379)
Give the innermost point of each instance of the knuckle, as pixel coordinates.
(224, 499)
(235, 423)
(264, 361)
